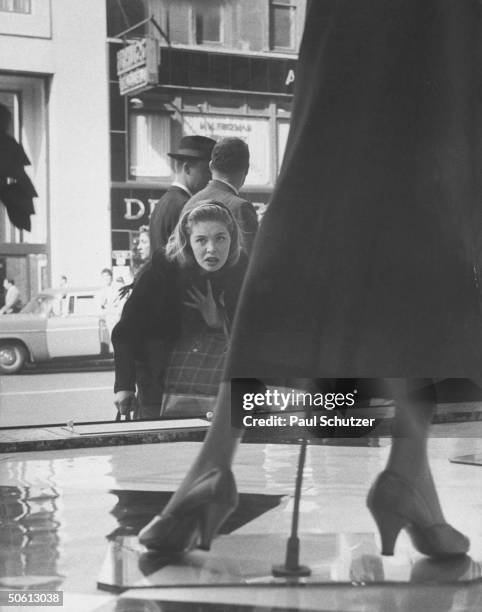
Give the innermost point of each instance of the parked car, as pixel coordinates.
(56, 323)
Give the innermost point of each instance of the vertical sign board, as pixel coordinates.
(138, 66)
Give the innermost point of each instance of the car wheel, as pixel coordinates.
(12, 357)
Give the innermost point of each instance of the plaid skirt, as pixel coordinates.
(196, 364)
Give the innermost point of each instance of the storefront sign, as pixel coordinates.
(121, 257)
(138, 66)
(131, 208)
(290, 77)
(225, 71)
(255, 131)
(135, 209)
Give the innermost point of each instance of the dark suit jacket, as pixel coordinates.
(165, 215)
(242, 210)
(151, 318)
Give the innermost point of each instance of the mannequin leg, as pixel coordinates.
(404, 494)
(219, 447)
(415, 405)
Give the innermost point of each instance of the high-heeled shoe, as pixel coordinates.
(196, 519)
(396, 504)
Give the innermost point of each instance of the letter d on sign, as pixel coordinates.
(130, 215)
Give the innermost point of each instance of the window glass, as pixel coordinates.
(16, 6)
(122, 14)
(179, 22)
(208, 21)
(11, 100)
(282, 24)
(283, 129)
(85, 305)
(149, 144)
(24, 98)
(40, 305)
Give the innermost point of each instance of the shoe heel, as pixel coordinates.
(211, 520)
(389, 526)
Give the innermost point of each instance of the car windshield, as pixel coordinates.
(42, 305)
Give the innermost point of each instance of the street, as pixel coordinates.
(41, 397)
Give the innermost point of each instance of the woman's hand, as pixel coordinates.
(206, 304)
(125, 402)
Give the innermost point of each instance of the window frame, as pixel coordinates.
(36, 24)
(8, 232)
(17, 12)
(194, 40)
(143, 178)
(292, 9)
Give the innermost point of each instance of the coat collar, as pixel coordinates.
(223, 184)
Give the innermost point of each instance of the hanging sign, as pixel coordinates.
(138, 66)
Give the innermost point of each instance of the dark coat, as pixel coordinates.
(242, 210)
(151, 319)
(165, 215)
(364, 262)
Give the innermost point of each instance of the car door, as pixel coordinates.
(73, 330)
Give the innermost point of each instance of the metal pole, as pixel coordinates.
(291, 566)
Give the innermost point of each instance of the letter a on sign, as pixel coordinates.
(290, 77)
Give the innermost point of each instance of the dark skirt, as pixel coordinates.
(365, 265)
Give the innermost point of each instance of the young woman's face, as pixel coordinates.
(144, 245)
(210, 242)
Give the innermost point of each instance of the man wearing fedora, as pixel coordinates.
(192, 174)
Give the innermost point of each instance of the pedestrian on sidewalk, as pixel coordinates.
(13, 301)
(191, 166)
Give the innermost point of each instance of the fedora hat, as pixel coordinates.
(197, 147)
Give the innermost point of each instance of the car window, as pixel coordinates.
(85, 305)
(42, 305)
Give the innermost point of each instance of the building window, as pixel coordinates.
(149, 143)
(123, 14)
(11, 100)
(16, 6)
(283, 24)
(179, 29)
(208, 21)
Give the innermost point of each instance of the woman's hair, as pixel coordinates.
(178, 247)
(144, 229)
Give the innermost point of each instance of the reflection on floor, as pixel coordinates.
(69, 519)
(468, 459)
(29, 537)
(135, 509)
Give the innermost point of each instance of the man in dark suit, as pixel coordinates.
(192, 174)
(229, 166)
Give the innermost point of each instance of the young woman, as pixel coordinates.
(143, 243)
(364, 263)
(187, 292)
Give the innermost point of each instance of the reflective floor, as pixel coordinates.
(69, 519)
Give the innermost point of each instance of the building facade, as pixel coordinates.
(223, 68)
(53, 78)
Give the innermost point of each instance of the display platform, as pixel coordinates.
(235, 560)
